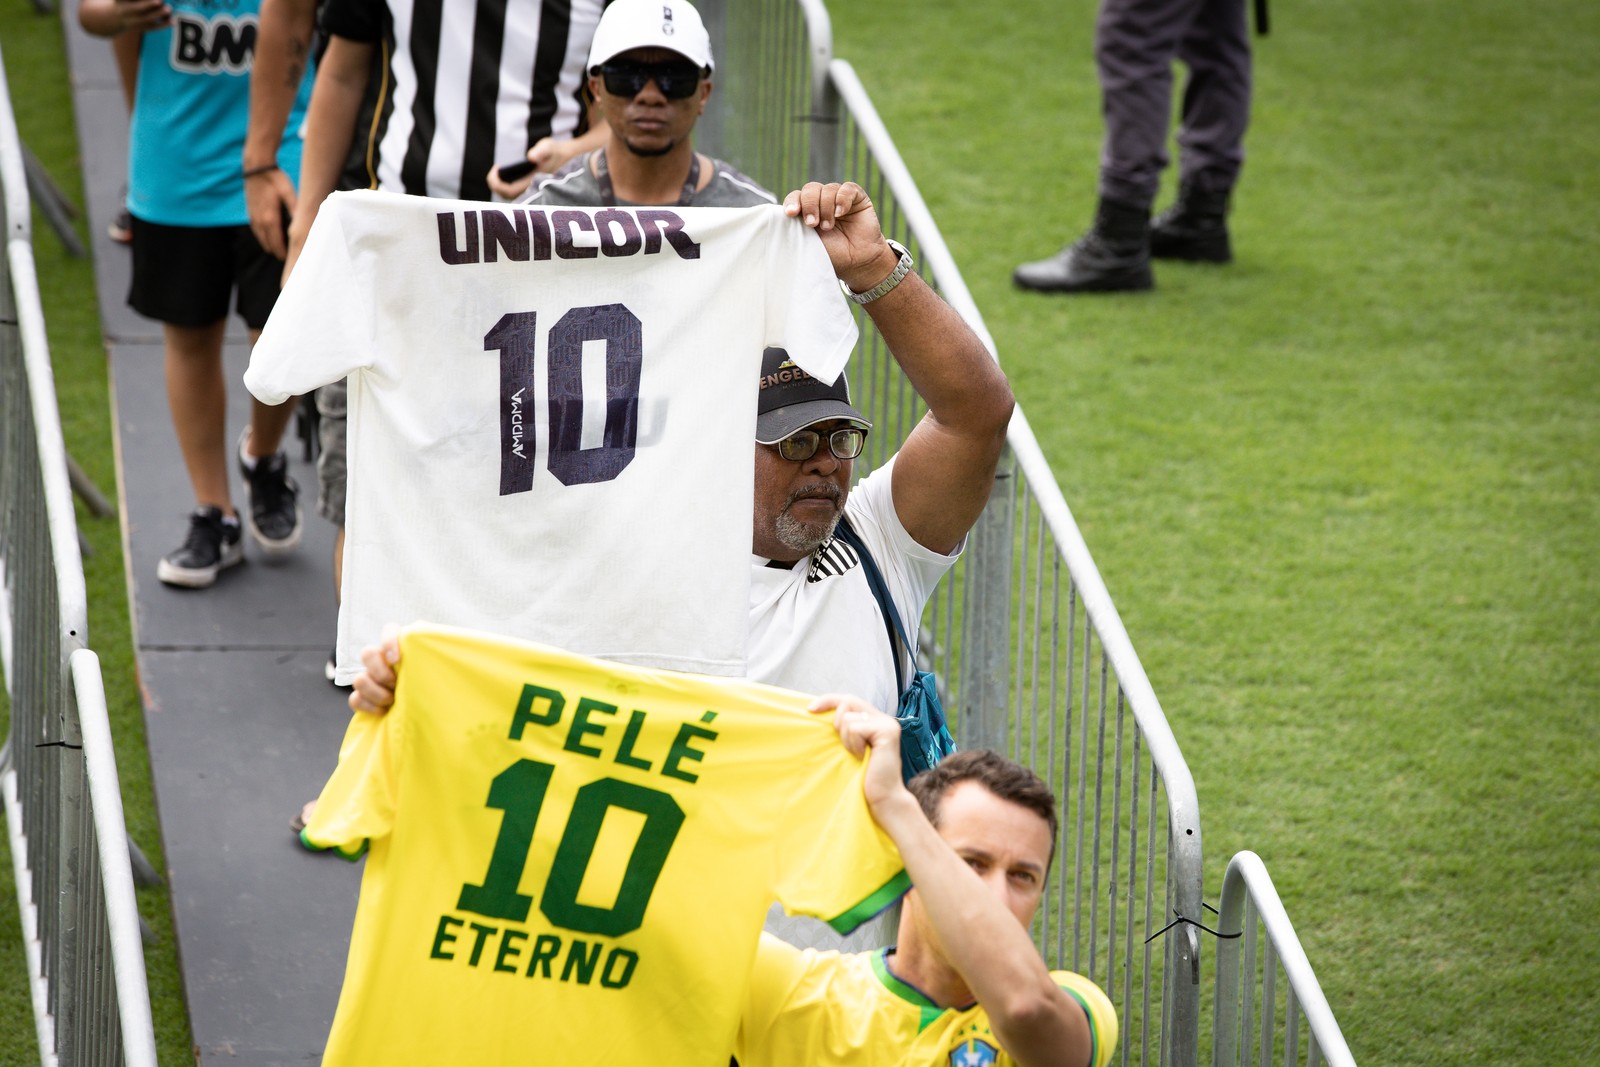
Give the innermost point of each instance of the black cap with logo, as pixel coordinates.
(791, 399)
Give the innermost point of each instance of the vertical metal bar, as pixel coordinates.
(823, 162)
(992, 618)
(1269, 999)
(1247, 992)
(1112, 869)
(1150, 846)
(1291, 1027)
(710, 130)
(1098, 812)
(1057, 779)
(1083, 786)
(1019, 628)
(1133, 861)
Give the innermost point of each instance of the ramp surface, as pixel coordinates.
(242, 727)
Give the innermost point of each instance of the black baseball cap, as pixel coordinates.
(791, 399)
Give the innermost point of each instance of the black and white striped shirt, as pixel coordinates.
(464, 85)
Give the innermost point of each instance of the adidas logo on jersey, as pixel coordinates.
(833, 558)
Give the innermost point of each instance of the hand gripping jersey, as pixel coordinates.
(824, 1009)
(552, 411)
(570, 859)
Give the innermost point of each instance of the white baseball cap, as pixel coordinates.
(630, 24)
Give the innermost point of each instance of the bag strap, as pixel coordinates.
(880, 591)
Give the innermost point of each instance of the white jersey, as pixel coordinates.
(551, 411)
(816, 627)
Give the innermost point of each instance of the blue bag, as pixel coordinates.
(924, 736)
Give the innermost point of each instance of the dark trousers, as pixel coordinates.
(1135, 44)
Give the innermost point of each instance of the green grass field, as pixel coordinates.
(1345, 492)
(41, 97)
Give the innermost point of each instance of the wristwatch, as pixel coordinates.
(901, 269)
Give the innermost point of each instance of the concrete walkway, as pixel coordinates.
(242, 727)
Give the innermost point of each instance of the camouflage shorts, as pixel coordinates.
(331, 458)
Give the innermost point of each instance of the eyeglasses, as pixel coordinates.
(676, 78)
(844, 443)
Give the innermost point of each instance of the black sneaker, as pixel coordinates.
(331, 668)
(211, 544)
(274, 513)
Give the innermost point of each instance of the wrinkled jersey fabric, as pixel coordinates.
(826, 1009)
(569, 860)
(551, 411)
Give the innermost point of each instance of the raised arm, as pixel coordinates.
(1036, 1021)
(330, 127)
(945, 470)
(283, 48)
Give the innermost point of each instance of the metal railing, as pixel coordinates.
(58, 773)
(1032, 657)
(1251, 1026)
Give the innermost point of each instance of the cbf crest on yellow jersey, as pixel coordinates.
(827, 1009)
(570, 859)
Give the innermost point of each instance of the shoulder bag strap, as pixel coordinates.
(880, 591)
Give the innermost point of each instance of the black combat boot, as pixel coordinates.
(1114, 256)
(1195, 227)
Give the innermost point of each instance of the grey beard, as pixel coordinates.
(801, 536)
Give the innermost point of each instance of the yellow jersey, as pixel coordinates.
(569, 860)
(807, 1008)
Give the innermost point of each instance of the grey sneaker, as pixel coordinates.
(274, 512)
(211, 545)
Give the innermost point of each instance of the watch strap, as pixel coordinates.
(901, 269)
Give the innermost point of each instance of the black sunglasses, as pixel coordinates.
(676, 78)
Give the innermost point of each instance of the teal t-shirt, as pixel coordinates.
(190, 113)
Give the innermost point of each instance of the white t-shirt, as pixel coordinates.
(816, 627)
(551, 411)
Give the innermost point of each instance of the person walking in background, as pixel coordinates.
(192, 248)
(1135, 44)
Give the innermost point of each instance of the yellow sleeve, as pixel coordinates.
(835, 863)
(778, 969)
(357, 804)
(1097, 1006)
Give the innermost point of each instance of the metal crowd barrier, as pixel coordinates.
(1250, 1025)
(58, 772)
(1036, 663)
(1032, 657)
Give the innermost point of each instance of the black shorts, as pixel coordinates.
(182, 275)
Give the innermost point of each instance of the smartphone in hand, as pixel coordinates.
(510, 172)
